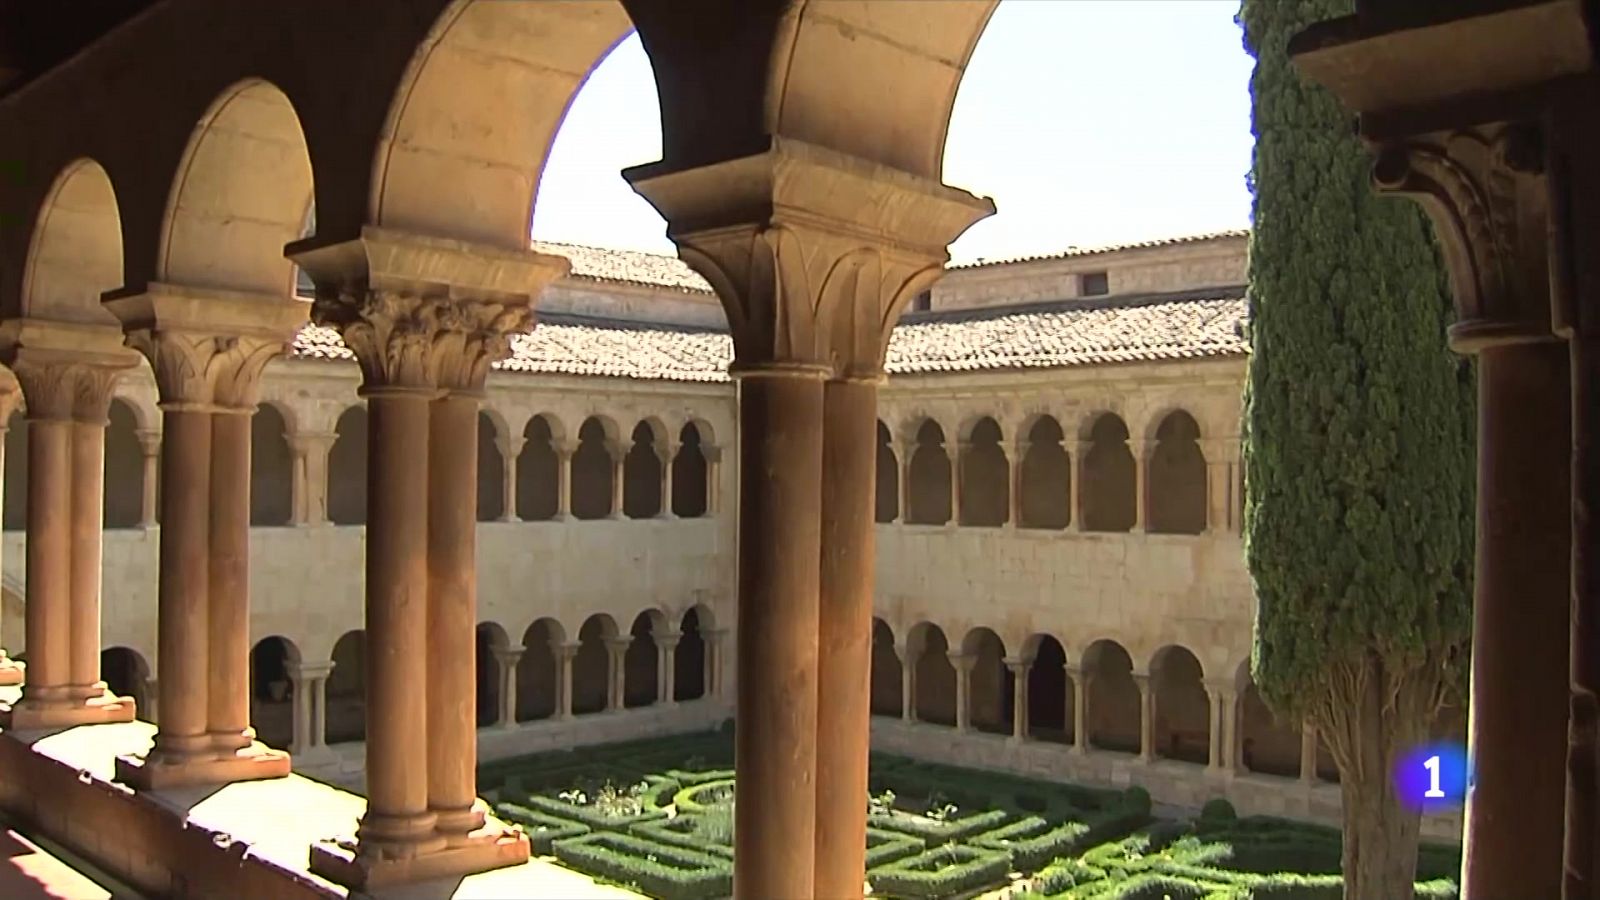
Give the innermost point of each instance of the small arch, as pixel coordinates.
(641, 475)
(1049, 695)
(123, 498)
(985, 477)
(689, 664)
(1177, 480)
(1046, 478)
(929, 477)
(1267, 745)
(591, 667)
(934, 697)
(1107, 492)
(1112, 698)
(592, 477)
(989, 685)
(1181, 726)
(346, 715)
(691, 487)
(887, 503)
(347, 470)
(887, 697)
(271, 468)
(640, 686)
(126, 674)
(538, 472)
(272, 691)
(488, 638)
(491, 471)
(539, 670)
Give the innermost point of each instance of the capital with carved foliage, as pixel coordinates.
(66, 370)
(813, 253)
(423, 313)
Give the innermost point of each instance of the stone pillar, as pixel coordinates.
(1141, 450)
(958, 452)
(903, 449)
(1019, 697)
(565, 652)
(510, 451)
(617, 671)
(666, 669)
(908, 682)
(1219, 493)
(1221, 726)
(618, 451)
(963, 663)
(837, 273)
(1019, 449)
(564, 451)
(666, 451)
(713, 457)
(1147, 717)
(309, 682)
(1308, 753)
(150, 454)
(506, 660)
(714, 640)
(1075, 451)
(208, 349)
(424, 346)
(66, 373)
(10, 393)
(1080, 708)
(309, 487)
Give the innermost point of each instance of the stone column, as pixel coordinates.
(1223, 698)
(66, 373)
(1019, 449)
(10, 394)
(309, 487)
(506, 660)
(714, 639)
(208, 349)
(1147, 717)
(565, 652)
(1080, 708)
(667, 451)
(958, 452)
(1141, 483)
(510, 451)
(812, 278)
(713, 457)
(666, 669)
(424, 346)
(564, 451)
(1219, 505)
(1019, 697)
(963, 663)
(617, 671)
(1075, 451)
(903, 449)
(150, 454)
(309, 682)
(908, 683)
(618, 451)
(1308, 753)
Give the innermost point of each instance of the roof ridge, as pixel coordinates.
(1066, 304)
(1073, 252)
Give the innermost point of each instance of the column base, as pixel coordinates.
(36, 715)
(495, 846)
(159, 771)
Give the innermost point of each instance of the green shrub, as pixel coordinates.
(697, 832)
(884, 847)
(701, 797)
(1218, 810)
(666, 872)
(605, 815)
(940, 831)
(941, 872)
(1032, 842)
(1137, 798)
(542, 829)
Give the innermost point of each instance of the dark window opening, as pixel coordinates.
(1094, 284)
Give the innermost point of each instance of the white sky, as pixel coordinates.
(1088, 121)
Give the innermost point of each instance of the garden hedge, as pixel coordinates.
(941, 872)
(1032, 842)
(542, 829)
(659, 870)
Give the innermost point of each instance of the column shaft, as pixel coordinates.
(1141, 483)
(302, 702)
(508, 662)
(844, 634)
(398, 822)
(780, 542)
(666, 680)
(904, 450)
(451, 677)
(151, 448)
(1019, 700)
(508, 481)
(908, 686)
(963, 669)
(1147, 717)
(228, 618)
(1080, 711)
(319, 711)
(1514, 828)
(955, 482)
(564, 656)
(182, 624)
(48, 615)
(564, 482)
(667, 454)
(1075, 484)
(88, 476)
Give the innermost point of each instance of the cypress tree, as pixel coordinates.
(1358, 448)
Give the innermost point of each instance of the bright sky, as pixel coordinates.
(1089, 122)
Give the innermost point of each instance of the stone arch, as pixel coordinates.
(1046, 477)
(1049, 694)
(592, 478)
(75, 255)
(934, 699)
(929, 477)
(271, 468)
(690, 675)
(1181, 728)
(985, 476)
(1267, 745)
(887, 501)
(488, 638)
(887, 698)
(123, 497)
(539, 471)
(641, 473)
(240, 194)
(346, 714)
(1112, 697)
(989, 686)
(271, 690)
(126, 674)
(1107, 492)
(691, 486)
(347, 469)
(491, 470)
(448, 122)
(1176, 484)
(591, 667)
(539, 670)
(640, 686)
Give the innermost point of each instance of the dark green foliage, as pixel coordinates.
(885, 847)
(1137, 799)
(935, 832)
(1032, 842)
(670, 873)
(1218, 810)
(542, 829)
(941, 872)
(1358, 435)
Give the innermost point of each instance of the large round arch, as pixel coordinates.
(929, 476)
(1175, 491)
(887, 693)
(1112, 703)
(491, 470)
(934, 693)
(1181, 728)
(76, 254)
(539, 671)
(691, 675)
(1049, 694)
(985, 477)
(126, 674)
(591, 666)
(346, 691)
(539, 471)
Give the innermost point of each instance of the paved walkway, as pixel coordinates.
(28, 872)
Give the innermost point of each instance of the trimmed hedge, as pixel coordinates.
(884, 847)
(659, 788)
(1032, 842)
(681, 831)
(700, 797)
(660, 870)
(936, 831)
(542, 829)
(941, 872)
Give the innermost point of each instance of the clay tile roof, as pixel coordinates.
(1072, 252)
(628, 266)
(1188, 325)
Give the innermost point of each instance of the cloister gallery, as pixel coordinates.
(1055, 556)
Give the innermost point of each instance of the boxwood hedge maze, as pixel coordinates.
(657, 816)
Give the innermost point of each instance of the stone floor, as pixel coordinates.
(279, 820)
(31, 872)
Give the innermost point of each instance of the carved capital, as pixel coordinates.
(206, 371)
(65, 370)
(406, 340)
(813, 253)
(1484, 189)
(64, 391)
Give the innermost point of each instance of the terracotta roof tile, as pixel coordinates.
(628, 266)
(1043, 335)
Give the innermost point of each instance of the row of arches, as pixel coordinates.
(1041, 483)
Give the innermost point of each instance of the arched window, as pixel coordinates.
(929, 478)
(347, 690)
(539, 671)
(989, 687)
(271, 468)
(271, 691)
(124, 472)
(641, 475)
(347, 471)
(491, 471)
(1113, 698)
(689, 673)
(126, 674)
(690, 488)
(1046, 478)
(1177, 480)
(886, 691)
(1182, 725)
(639, 684)
(1266, 744)
(591, 667)
(592, 480)
(538, 473)
(1049, 695)
(934, 695)
(489, 638)
(1107, 492)
(985, 473)
(888, 491)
